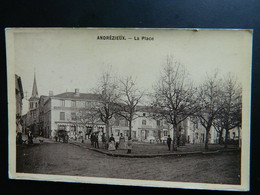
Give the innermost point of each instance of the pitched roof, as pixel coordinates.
(146, 108)
(72, 95)
(44, 98)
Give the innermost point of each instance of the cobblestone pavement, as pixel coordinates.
(67, 159)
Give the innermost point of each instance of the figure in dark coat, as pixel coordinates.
(104, 140)
(169, 140)
(96, 145)
(92, 139)
(111, 138)
(30, 138)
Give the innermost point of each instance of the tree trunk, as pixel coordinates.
(220, 137)
(207, 137)
(107, 130)
(130, 129)
(159, 135)
(226, 140)
(174, 140)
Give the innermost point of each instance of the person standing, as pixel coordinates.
(30, 138)
(121, 142)
(104, 140)
(96, 141)
(92, 139)
(169, 140)
(129, 145)
(111, 144)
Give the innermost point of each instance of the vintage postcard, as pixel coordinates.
(125, 106)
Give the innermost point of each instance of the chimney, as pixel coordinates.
(50, 93)
(76, 92)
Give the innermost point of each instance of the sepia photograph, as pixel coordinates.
(130, 106)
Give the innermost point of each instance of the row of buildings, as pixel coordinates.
(48, 114)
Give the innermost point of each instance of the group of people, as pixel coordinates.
(111, 144)
(94, 140)
(20, 138)
(122, 144)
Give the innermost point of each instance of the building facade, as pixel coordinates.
(49, 114)
(31, 118)
(19, 102)
(196, 133)
(61, 113)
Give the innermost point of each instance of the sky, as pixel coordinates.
(65, 59)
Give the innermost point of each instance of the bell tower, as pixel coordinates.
(34, 99)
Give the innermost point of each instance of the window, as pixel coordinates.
(73, 103)
(158, 123)
(61, 127)
(62, 115)
(165, 133)
(117, 132)
(117, 123)
(126, 123)
(62, 103)
(143, 114)
(125, 132)
(35, 104)
(143, 122)
(134, 134)
(73, 116)
(72, 128)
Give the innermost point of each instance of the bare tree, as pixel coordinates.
(195, 125)
(174, 96)
(229, 115)
(232, 104)
(108, 92)
(218, 124)
(210, 103)
(130, 97)
(89, 116)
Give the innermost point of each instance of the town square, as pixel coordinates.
(76, 159)
(157, 113)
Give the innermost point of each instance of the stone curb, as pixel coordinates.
(154, 155)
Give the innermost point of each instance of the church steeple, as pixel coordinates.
(34, 99)
(34, 90)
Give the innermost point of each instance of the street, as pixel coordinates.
(67, 159)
